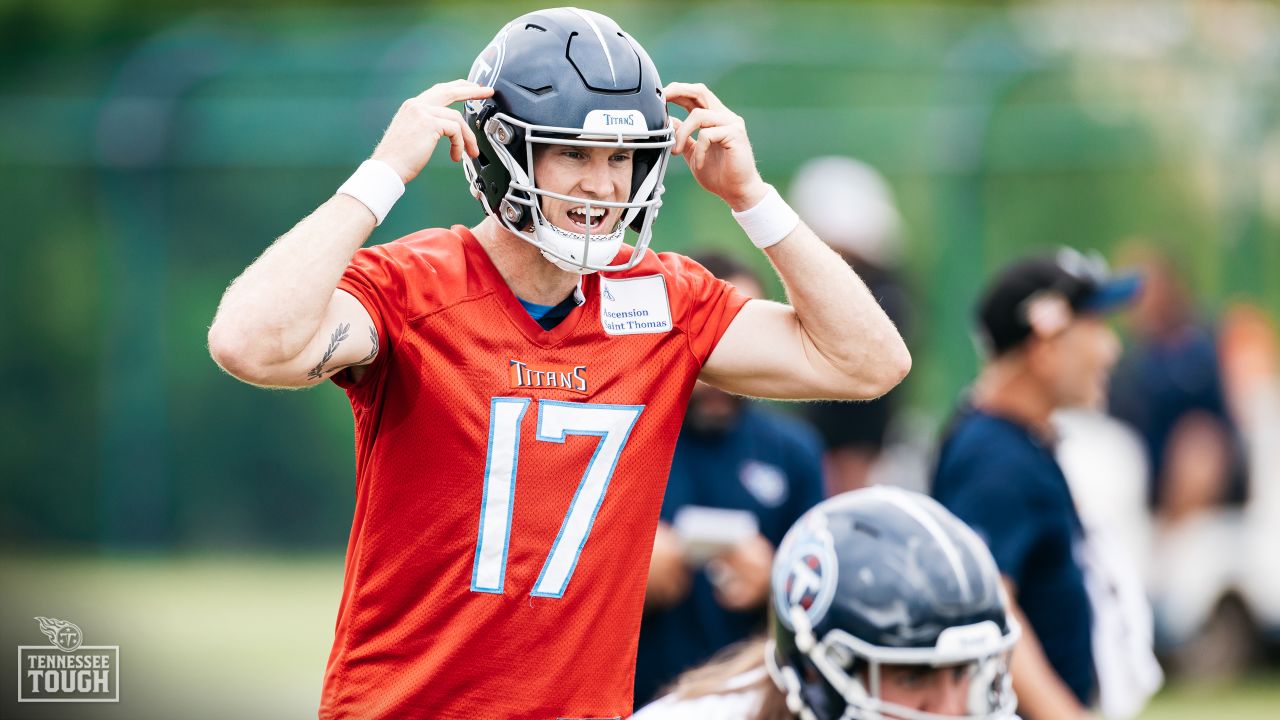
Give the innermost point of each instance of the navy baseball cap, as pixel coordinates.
(1079, 284)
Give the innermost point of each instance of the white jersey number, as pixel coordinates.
(556, 420)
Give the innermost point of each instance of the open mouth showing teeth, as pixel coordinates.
(580, 217)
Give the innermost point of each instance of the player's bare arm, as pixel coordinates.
(283, 322)
(833, 340)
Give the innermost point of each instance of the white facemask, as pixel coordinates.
(561, 247)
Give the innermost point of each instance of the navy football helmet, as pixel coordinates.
(568, 77)
(883, 576)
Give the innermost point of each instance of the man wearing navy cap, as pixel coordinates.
(1046, 346)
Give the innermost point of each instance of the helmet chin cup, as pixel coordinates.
(565, 249)
(566, 266)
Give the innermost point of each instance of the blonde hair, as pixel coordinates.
(717, 675)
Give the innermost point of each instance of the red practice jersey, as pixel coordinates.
(508, 482)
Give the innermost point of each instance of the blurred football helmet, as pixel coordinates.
(883, 576)
(566, 76)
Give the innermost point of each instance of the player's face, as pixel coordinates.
(594, 173)
(1082, 358)
(943, 691)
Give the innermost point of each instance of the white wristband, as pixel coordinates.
(769, 221)
(376, 186)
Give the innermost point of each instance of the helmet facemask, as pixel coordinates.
(520, 210)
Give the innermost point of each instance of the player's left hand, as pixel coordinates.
(720, 156)
(741, 576)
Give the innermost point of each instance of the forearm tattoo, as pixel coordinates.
(373, 338)
(335, 340)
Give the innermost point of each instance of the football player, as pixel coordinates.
(518, 386)
(884, 606)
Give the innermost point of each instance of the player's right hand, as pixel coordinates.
(420, 123)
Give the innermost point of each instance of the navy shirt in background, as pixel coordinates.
(768, 463)
(1160, 382)
(1006, 484)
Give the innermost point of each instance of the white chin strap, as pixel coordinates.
(558, 244)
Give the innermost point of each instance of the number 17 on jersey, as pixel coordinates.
(556, 420)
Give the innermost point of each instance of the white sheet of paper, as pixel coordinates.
(708, 531)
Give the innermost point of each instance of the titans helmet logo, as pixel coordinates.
(806, 578)
(487, 65)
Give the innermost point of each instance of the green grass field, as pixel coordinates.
(248, 636)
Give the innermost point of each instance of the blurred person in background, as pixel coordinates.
(1250, 352)
(850, 205)
(1250, 348)
(1046, 346)
(1169, 388)
(537, 340)
(884, 606)
(733, 454)
(1105, 466)
(1203, 396)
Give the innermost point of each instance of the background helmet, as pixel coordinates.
(883, 576)
(567, 76)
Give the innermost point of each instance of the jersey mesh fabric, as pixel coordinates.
(412, 638)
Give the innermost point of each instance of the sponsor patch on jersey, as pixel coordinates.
(559, 377)
(635, 306)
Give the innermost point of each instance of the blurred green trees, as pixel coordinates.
(149, 151)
